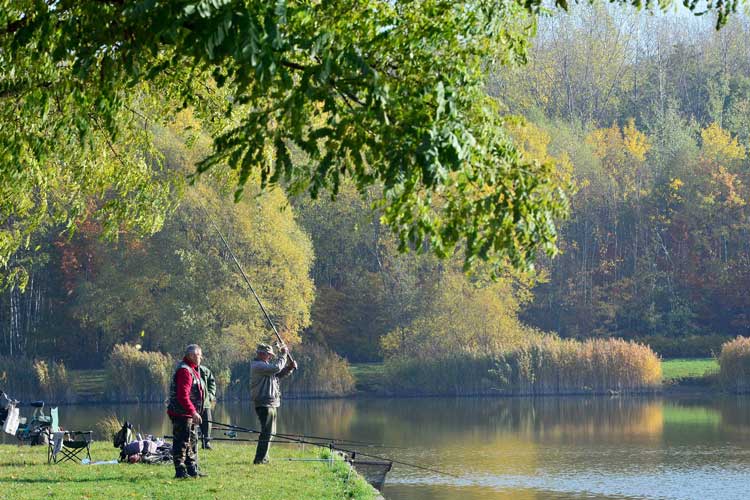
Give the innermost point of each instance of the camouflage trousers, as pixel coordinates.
(183, 447)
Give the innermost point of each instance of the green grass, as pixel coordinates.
(676, 369)
(89, 385)
(24, 473)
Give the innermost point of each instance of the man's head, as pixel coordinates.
(194, 354)
(264, 352)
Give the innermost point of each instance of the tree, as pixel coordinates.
(386, 93)
(181, 286)
(463, 316)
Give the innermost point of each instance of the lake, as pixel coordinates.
(519, 448)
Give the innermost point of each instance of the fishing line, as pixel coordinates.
(353, 452)
(247, 280)
(319, 438)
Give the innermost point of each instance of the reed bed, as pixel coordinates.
(734, 365)
(543, 366)
(138, 376)
(107, 427)
(54, 381)
(25, 379)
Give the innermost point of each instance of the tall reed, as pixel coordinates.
(543, 366)
(734, 365)
(135, 375)
(54, 381)
(24, 379)
(321, 373)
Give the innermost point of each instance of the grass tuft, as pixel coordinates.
(735, 365)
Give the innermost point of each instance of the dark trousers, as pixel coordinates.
(183, 445)
(267, 417)
(206, 426)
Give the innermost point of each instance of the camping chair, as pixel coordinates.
(69, 445)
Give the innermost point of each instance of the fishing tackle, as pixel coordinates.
(247, 280)
(330, 445)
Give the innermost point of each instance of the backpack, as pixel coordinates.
(124, 435)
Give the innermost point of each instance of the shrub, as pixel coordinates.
(455, 375)
(24, 379)
(135, 375)
(734, 365)
(321, 373)
(543, 366)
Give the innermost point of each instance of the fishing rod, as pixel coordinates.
(247, 280)
(324, 439)
(353, 453)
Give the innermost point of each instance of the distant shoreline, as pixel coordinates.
(691, 387)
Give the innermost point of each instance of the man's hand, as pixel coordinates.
(283, 349)
(197, 418)
(294, 364)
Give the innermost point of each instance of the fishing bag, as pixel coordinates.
(123, 436)
(148, 451)
(133, 448)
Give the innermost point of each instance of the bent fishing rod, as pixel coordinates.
(289, 437)
(247, 280)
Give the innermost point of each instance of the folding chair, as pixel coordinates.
(69, 445)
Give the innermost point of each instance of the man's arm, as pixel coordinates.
(270, 368)
(288, 369)
(182, 383)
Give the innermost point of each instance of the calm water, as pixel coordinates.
(549, 448)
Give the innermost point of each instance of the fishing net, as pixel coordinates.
(373, 471)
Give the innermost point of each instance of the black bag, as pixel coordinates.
(124, 435)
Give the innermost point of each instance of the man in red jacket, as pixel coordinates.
(185, 406)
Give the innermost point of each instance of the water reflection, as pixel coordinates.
(547, 448)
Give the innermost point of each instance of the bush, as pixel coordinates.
(321, 373)
(734, 365)
(139, 376)
(25, 380)
(545, 366)
(455, 375)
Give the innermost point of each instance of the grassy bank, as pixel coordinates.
(370, 376)
(24, 473)
(676, 370)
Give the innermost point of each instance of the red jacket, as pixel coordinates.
(183, 382)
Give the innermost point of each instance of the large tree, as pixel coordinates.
(387, 93)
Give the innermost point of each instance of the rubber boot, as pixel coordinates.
(195, 472)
